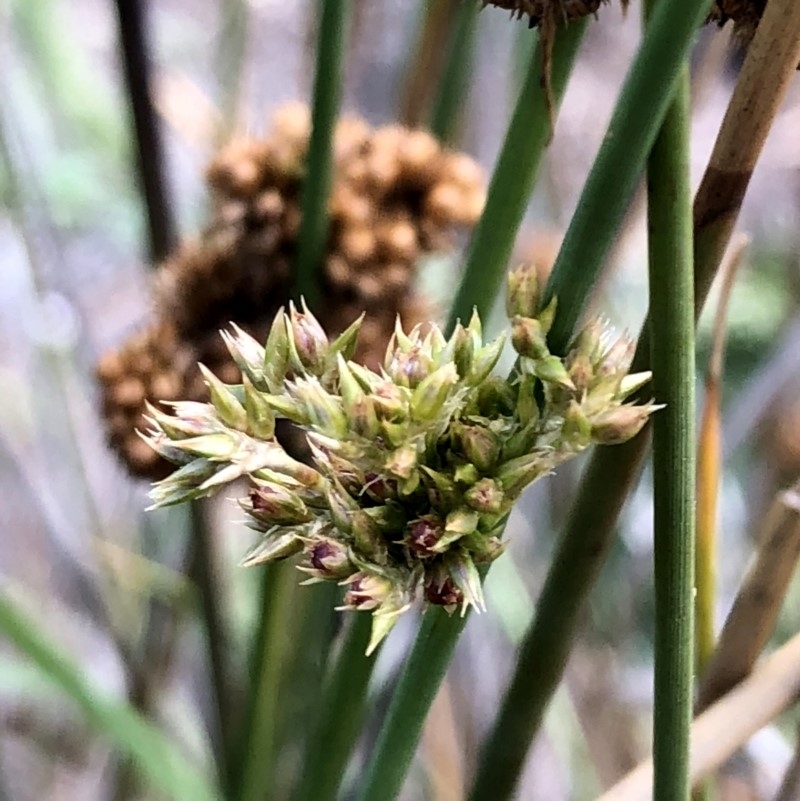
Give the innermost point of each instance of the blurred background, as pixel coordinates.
(150, 603)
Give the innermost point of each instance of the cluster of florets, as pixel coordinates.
(416, 466)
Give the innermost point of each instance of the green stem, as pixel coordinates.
(633, 128)
(258, 751)
(448, 102)
(672, 355)
(513, 179)
(344, 696)
(400, 732)
(319, 167)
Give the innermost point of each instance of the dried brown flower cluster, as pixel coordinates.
(397, 194)
(745, 15)
(544, 11)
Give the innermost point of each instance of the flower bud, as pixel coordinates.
(403, 461)
(527, 408)
(328, 559)
(580, 371)
(481, 447)
(465, 576)
(367, 537)
(485, 496)
(272, 548)
(247, 354)
(517, 473)
(308, 342)
(496, 397)
(409, 368)
(484, 361)
(619, 425)
(380, 488)
(552, 371)
(260, 417)
(423, 534)
(390, 401)
(342, 506)
(442, 491)
(528, 338)
(576, 430)
(276, 354)
(459, 523)
(275, 505)
(367, 591)
(229, 410)
(345, 344)
(547, 316)
(440, 590)
(466, 474)
(324, 411)
(522, 291)
(431, 394)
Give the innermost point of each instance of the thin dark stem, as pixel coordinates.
(161, 228)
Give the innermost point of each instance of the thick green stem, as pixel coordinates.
(319, 167)
(423, 673)
(343, 699)
(513, 179)
(636, 120)
(448, 102)
(672, 355)
(258, 748)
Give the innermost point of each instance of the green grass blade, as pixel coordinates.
(325, 108)
(513, 179)
(160, 762)
(636, 120)
(672, 357)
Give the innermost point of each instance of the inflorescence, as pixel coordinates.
(415, 466)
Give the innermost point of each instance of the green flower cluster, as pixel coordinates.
(415, 468)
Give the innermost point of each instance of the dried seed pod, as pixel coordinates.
(745, 15)
(239, 267)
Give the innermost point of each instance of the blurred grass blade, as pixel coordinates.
(419, 682)
(611, 472)
(343, 700)
(513, 178)
(159, 761)
(331, 44)
(612, 181)
(724, 728)
(709, 469)
(669, 224)
(427, 59)
(758, 602)
(448, 103)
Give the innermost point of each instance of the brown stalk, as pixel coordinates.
(442, 749)
(768, 69)
(428, 62)
(729, 723)
(759, 600)
(790, 786)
